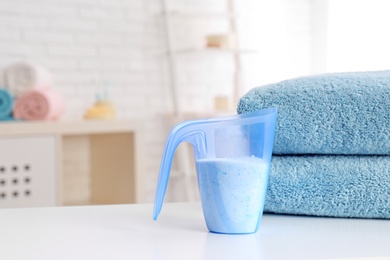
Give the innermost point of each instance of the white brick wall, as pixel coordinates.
(88, 43)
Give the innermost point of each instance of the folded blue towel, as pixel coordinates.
(6, 105)
(339, 113)
(330, 185)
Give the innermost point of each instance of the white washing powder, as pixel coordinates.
(232, 191)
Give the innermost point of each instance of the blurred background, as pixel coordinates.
(161, 61)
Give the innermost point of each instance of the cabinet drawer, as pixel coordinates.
(28, 171)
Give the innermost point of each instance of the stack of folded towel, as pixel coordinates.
(332, 144)
(33, 95)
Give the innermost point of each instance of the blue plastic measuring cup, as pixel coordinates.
(232, 157)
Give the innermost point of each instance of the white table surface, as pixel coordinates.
(128, 232)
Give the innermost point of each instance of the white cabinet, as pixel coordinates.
(28, 171)
(32, 158)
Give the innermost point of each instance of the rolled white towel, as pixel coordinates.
(22, 76)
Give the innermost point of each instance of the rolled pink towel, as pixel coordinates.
(39, 104)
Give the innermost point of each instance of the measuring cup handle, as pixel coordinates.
(184, 132)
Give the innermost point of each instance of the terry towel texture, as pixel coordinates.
(339, 113)
(330, 185)
(6, 104)
(23, 76)
(32, 89)
(332, 144)
(39, 104)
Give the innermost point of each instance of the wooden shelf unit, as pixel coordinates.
(116, 155)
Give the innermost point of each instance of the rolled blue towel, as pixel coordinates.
(339, 113)
(6, 105)
(330, 185)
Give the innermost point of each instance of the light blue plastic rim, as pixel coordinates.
(242, 119)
